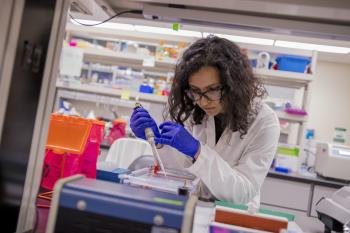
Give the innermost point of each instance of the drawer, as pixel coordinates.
(285, 193)
(319, 192)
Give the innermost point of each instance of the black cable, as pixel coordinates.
(112, 17)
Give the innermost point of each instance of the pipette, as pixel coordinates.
(150, 138)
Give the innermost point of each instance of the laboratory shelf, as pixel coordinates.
(146, 63)
(105, 91)
(284, 131)
(270, 77)
(134, 60)
(291, 118)
(283, 78)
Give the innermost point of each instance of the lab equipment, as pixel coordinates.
(175, 182)
(310, 134)
(238, 216)
(150, 139)
(287, 158)
(333, 161)
(110, 172)
(124, 151)
(216, 227)
(282, 169)
(72, 147)
(177, 136)
(117, 131)
(296, 111)
(145, 122)
(145, 88)
(334, 212)
(80, 204)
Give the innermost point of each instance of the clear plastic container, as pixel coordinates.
(173, 182)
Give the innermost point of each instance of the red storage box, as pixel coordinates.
(72, 147)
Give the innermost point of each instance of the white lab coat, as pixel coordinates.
(234, 168)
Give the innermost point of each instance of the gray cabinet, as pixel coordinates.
(285, 193)
(297, 195)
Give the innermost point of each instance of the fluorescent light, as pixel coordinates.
(118, 26)
(167, 31)
(242, 39)
(307, 46)
(197, 34)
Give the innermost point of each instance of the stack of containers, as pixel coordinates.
(73, 146)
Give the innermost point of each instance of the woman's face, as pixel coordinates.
(206, 90)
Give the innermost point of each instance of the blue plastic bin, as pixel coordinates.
(292, 63)
(146, 89)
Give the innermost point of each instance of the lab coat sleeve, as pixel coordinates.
(240, 183)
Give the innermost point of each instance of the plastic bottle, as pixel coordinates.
(263, 60)
(309, 149)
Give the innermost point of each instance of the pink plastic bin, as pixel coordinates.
(64, 158)
(117, 131)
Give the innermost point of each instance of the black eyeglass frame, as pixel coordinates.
(203, 94)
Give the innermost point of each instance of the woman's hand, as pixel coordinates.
(140, 120)
(177, 136)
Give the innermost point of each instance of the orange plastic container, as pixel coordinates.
(68, 134)
(72, 147)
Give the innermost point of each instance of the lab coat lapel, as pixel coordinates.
(225, 140)
(210, 132)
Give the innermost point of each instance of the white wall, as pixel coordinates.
(330, 100)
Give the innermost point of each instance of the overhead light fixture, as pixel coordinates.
(239, 39)
(168, 31)
(119, 26)
(308, 46)
(242, 39)
(141, 28)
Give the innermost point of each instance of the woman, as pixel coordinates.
(220, 130)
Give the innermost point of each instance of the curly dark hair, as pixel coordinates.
(241, 87)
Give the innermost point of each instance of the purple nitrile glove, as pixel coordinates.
(177, 136)
(140, 120)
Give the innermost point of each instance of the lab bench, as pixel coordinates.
(308, 178)
(298, 193)
(204, 214)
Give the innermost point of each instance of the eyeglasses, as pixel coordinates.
(212, 94)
